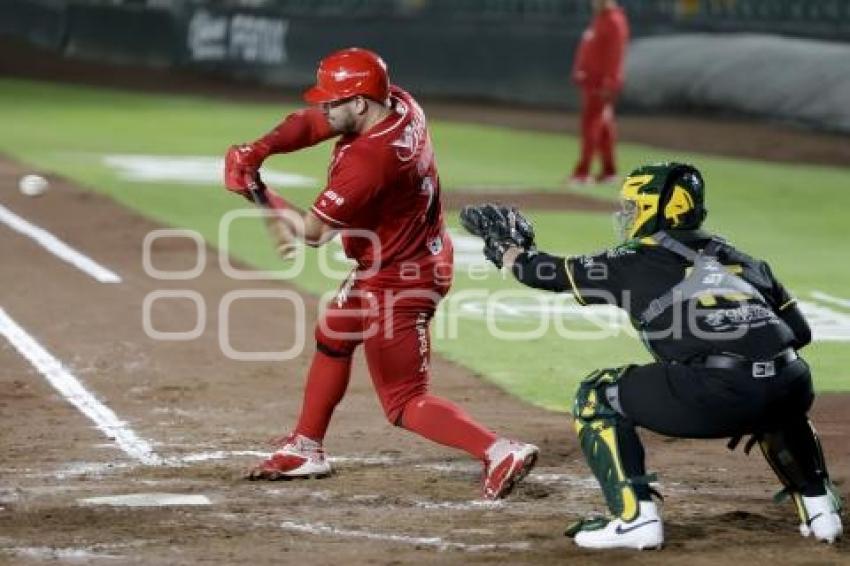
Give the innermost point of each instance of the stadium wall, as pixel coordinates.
(508, 50)
(796, 80)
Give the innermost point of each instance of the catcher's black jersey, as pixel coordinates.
(631, 276)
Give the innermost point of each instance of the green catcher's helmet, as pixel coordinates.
(660, 197)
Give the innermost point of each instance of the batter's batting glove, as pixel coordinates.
(501, 227)
(242, 169)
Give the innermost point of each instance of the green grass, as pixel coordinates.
(792, 214)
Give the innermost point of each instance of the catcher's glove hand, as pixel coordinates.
(500, 227)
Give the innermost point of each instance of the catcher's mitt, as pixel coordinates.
(500, 227)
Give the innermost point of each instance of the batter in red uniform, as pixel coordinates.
(598, 71)
(383, 196)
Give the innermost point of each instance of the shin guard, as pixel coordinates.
(596, 424)
(796, 457)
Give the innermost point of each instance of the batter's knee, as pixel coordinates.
(395, 404)
(333, 346)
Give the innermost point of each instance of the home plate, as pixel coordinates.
(147, 500)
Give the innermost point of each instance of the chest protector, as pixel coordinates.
(708, 278)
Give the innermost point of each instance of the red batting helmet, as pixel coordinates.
(350, 72)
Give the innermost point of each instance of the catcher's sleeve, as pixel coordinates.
(786, 307)
(542, 271)
(794, 318)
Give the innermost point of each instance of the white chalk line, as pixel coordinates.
(217, 455)
(88, 552)
(827, 298)
(433, 541)
(75, 393)
(384, 502)
(76, 469)
(474, 505)
(574, 481)
(48, 553)
(467, 468)
(381, 460)
(157, 499)
(57, 247)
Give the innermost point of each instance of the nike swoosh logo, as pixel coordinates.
(621, 531)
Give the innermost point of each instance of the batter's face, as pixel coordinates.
(342, 114)
(598, 5)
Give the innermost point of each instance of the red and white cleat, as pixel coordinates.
(298, 457)
(507, 464)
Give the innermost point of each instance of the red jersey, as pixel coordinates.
(600, 59)
(383, 192)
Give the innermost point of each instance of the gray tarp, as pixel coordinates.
(797, 80)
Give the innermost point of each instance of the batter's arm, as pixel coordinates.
(288, 222)
(242, 162)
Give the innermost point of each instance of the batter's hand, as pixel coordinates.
(242, 169)
(501, 227)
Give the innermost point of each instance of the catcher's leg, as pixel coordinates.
(615, 455)
(794, 452)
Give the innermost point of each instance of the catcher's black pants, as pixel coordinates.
(695, 402)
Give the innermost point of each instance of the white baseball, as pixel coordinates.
(33, 185)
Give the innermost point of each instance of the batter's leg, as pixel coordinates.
(399, 366)
(327, 381)
(399, 363)
(338, 332)
(441, 421)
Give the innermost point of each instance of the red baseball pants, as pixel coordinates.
(598, 133)
(394, 328)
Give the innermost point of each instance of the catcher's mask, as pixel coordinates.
(660, 197)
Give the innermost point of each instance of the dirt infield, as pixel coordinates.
(396, 499)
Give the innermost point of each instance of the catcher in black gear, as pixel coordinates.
(723, 331)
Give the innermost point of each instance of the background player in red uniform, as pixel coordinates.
(383, 195)
(598, 71)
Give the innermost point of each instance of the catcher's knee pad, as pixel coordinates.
(596, 424)
(796, 457)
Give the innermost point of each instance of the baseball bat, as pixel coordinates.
(285, 240)
(258, 193)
